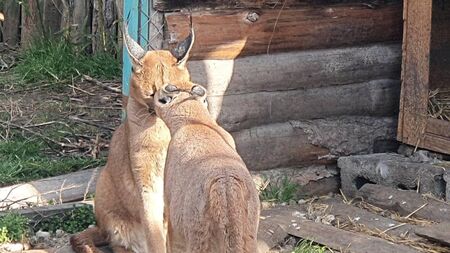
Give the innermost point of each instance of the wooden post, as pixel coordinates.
(31, 21)
(11, 22)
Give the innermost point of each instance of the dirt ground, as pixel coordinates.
(69, 123)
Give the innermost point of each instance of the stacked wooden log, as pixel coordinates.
(281, 76)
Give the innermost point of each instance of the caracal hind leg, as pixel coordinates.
(88, 240)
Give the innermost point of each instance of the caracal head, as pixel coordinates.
(168, 99)
(155, 69)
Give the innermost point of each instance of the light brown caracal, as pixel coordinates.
(129, 200)
(211, 202)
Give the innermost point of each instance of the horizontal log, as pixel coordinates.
(311, 142)
(229, 34)
(298, 70)
(438, 233)
(65, 188)
(35, 214)
(374, 98)
(174, 5)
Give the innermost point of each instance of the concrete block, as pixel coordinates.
(392, 170)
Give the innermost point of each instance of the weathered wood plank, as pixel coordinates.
(330, 236)
(229, 34)
(415, 71)
(298, 70)
(435, 142)
(375, 98)
(66, 188)
(439, 233)
(344, 240)
(31, 22)
(36, 213)
(348, 213)
(405, 202)
(51, 16)
(12, 22)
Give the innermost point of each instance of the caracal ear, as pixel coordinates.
(135, 51)
(181, 51)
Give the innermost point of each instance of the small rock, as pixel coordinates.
(59, 233)
(357, 218)
(292, 202)
(42, 234)
(317, 220)
(301, 201)
(299, 214)
(91, 226)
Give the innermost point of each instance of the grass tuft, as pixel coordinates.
(57, 59)
(283, 191)
(71, 222)
(24, 160)
(13, 228)
(306, 246)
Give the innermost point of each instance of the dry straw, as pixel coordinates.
(439, 104)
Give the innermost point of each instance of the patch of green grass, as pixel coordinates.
(283, 191)
(57, 59)
(13, 228)
(306, 246)
(24, 160)
(72, 221)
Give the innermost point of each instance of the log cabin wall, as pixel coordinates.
(298, 83)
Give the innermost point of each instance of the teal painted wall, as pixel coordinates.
(138, 28)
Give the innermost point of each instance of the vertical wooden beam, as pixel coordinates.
(31, 21)
(52, 15)
(11, 24)
(415, 71)
(80, 16)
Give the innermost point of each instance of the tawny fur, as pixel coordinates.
(211, 202)
(129, 192)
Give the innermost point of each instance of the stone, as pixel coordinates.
(12, 247)
(42, 235)
(392, 170)
(59, 233)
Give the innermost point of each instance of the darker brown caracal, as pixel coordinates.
(211, 202)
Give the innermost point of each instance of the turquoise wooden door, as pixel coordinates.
(137, 14)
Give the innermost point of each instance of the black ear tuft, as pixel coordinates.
(181, 51)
